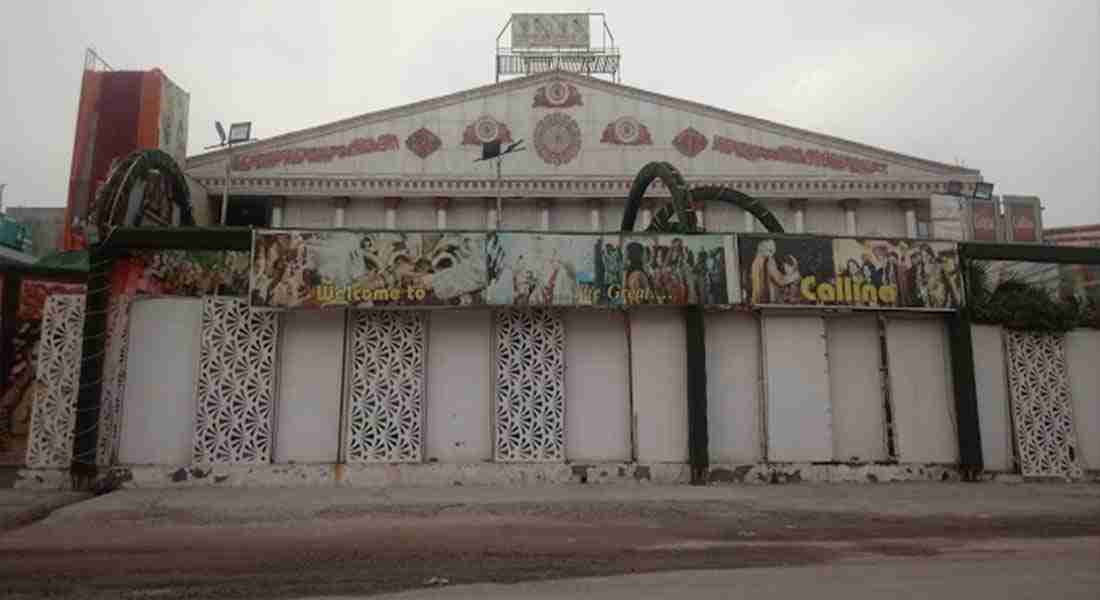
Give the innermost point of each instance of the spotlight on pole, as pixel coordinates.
(983, 190)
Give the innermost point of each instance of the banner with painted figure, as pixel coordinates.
(21, 384)
(868, 273)
(551, 269)
(676, 269)
(325, 269)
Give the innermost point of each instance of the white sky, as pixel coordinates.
(1010, 87)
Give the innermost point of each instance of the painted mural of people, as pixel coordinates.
(636, 277)
(767, 278)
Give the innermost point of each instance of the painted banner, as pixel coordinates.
(860, 273)
(318, 269)
(321, 269)
(189, 273)
(20, 386)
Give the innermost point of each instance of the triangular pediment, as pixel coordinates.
(573, 127)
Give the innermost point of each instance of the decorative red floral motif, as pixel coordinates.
(486, 129)
(557, 139)
(626, 131)
(557, 94)
(423, 142)
(690, 142)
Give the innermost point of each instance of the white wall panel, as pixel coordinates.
(569, 215)
(920, 390)
(307, 420)
(597, 386)
(885, 218)
(796, 371)
(723, 217)
(1082, 350)
(825, 217)
(734, 390)
(855, 388)
(416, 213)
(520, 214)
(367, 213)
(308, 212)
(158, 409)
(991, 381)
(659, 374)
(611, 217)
(460, 386)
(467, 214)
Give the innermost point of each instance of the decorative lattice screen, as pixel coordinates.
(1042, 412)
(386, 388)
(530, 386)
(57, 381)
(114, 380)
(235, 387)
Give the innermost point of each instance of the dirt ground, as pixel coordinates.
(279, 544)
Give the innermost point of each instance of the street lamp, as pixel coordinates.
(238, 133)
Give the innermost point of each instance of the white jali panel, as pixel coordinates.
(311, 361)
(920, 391)
(114, 380)
(235, 387)
(991, 382)
(855, 387)
(1042, 412)
(597, 412)
(530, 386)
(158, 407)
(460, 386)
(57, 377)
(385, 387)
(1082, 348)
(734, 391)
(797, 375)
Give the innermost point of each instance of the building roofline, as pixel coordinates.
(839, 144)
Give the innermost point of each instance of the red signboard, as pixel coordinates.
(985, 220)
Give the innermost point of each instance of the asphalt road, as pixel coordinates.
(295, 543)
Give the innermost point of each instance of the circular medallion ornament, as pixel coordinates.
(557, 138)
(627, 130)
(557, 93)
(486, 129)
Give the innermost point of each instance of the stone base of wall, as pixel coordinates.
(487, 474)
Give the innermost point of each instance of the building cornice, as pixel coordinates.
(587, 187)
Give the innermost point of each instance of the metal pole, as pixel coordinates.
(225, 192)
(500, 211)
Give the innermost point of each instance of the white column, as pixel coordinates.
(492, 220)
(697, 208)
(441, 205)
(391, 212)
(850, 206)
(910, 207)
(798, 207)
(594, 214)
(340, 204)
(750, 221)
(647, 215)
(544, 213)
(277, 205)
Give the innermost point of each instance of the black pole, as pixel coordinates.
(86, 430)
(698, 437)
(968, 429)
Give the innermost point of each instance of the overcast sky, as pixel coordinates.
(1009, 87)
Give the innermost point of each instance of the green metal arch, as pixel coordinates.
(682, 199)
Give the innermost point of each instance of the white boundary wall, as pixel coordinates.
(1083, 363)
(991, 381)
